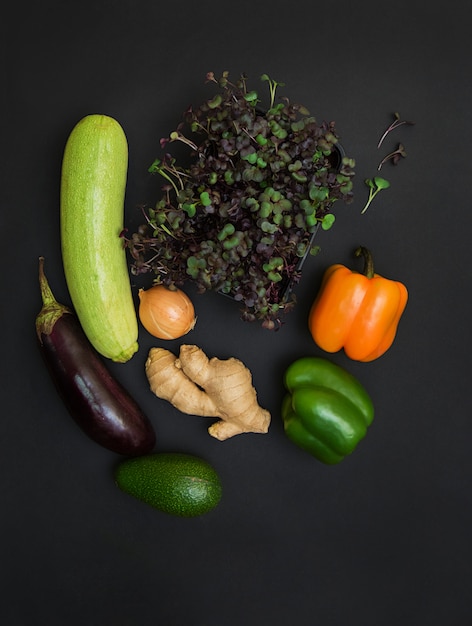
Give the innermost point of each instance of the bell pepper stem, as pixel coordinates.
(368, 260)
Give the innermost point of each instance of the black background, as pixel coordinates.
(384, 537)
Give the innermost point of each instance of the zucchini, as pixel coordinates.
(93, 184)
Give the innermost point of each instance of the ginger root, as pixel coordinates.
(197, 385)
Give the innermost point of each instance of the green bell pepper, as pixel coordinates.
(326, 410)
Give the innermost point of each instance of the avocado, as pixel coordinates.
(172, 482)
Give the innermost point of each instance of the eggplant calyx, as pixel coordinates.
(51, 310)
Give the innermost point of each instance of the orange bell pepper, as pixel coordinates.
(357, 312)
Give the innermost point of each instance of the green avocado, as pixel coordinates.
(172, 482)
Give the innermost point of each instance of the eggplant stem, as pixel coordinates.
(51, 310)
(46, 294)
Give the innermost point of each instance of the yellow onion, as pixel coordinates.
(166, 312)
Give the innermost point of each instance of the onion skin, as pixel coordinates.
(166, 312)
(98, 403)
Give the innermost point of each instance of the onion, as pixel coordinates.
(166, 312)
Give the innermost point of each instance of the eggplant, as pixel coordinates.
(98, 403)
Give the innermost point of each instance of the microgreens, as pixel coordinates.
(395, 124)
(394, 156)
(272, 87)
(375, 185)
(241, 217)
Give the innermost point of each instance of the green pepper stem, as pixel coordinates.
(368, 260)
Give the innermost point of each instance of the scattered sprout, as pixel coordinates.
(395, 124)
(375, 185)
(394, 156)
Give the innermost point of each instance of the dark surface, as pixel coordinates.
(384, 537)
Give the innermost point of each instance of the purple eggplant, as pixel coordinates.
(99, 404)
